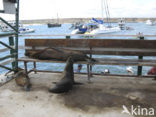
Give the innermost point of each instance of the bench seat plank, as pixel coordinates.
(103, 61)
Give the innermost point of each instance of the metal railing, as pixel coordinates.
(13, 43)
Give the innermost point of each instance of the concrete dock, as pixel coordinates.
(103, 97)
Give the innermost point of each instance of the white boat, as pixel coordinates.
(22, 29)
(75, 31)
(26, 30)
(150, 23)
(104, 30)
(122, 24)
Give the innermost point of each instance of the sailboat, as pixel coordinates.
(150, 22)
(57, 24)
(105, 29)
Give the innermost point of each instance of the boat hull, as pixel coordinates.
(53, 25)
(105, 30)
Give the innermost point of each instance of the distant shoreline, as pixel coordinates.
(73, 20)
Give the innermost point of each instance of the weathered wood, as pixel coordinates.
(26, 59)
(109, 51)
(94, 43)
(108, 61)
(116, 47)
(99, 46)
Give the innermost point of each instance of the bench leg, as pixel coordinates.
(140, 67)
(88, 71)
(91, 64)
(91, 71)
(34, 67)
(28, 84)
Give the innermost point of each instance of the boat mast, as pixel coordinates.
(57, 19)
(102, 13)
(107, 12)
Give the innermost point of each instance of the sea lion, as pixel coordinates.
(67, 81)
(22, 80)
(58, 54)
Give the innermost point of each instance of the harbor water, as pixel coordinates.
(42, 29)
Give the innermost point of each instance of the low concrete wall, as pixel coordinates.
(72, 20)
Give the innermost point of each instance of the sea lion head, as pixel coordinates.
(70, 60)
(69, 64)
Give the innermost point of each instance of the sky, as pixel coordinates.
(47, 9)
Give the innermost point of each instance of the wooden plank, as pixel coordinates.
(107, 51)
(56, 42)
(94, 43)
(101, 61)
(27, 59)
(134, 62)
(125, 59)
(95, 49)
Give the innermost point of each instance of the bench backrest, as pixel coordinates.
(125, 47)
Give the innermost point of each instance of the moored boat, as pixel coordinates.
(22, 29)
(150, 22)
(50, 25)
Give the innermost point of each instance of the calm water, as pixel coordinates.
(43, 29)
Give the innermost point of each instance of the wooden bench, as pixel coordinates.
(116, 47)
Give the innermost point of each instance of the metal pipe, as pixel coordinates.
(16, 36)
(6, 45)
(139, 73)
(6, 68)
(6, 57)
(6, 34)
